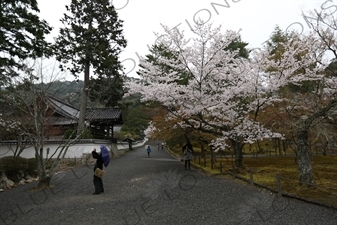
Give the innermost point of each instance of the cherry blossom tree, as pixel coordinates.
(296, 75)
(225, 94)
(217, 95)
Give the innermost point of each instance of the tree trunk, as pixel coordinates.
(44, 179)
(85, 89)
(304, 165)
(279, 146)
(303, 150)
(202, 147)
(84, 98)
(238, 153)
(284, 147)
(44, 183)
(188, 142)
(325, 148)
(259, 147)
(213, 155)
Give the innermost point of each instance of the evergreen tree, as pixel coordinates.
(92, 38)
(22, 35)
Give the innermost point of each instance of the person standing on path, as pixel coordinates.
(98, 182)
(148, 150)
(187, 157)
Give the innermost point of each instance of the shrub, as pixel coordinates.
(13, 166)
(86, 134)
(70, 133)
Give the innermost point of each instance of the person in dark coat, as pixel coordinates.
(98, 182)
(148, 150)
(187, 151)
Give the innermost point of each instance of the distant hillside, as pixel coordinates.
(69, 91)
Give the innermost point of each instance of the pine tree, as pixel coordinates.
(92, 38)
(22, 36)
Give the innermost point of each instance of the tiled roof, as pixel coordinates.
(104, 114)
(72, 113)
(61, 120)
(63, 108)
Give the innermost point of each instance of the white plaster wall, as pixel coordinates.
(73, 151)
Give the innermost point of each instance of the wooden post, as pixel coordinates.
(233, 168)
(220, 167)
(199, 160)
(204, 161)
(279, 188)
(251, 176)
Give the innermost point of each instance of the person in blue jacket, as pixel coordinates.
(98, 182)
(148, 150)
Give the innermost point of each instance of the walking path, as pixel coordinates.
(153, 190)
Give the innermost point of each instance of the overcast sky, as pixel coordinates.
(256, 19)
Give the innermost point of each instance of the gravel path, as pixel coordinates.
(153, 190)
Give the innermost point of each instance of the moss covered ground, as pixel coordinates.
(264, 170)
